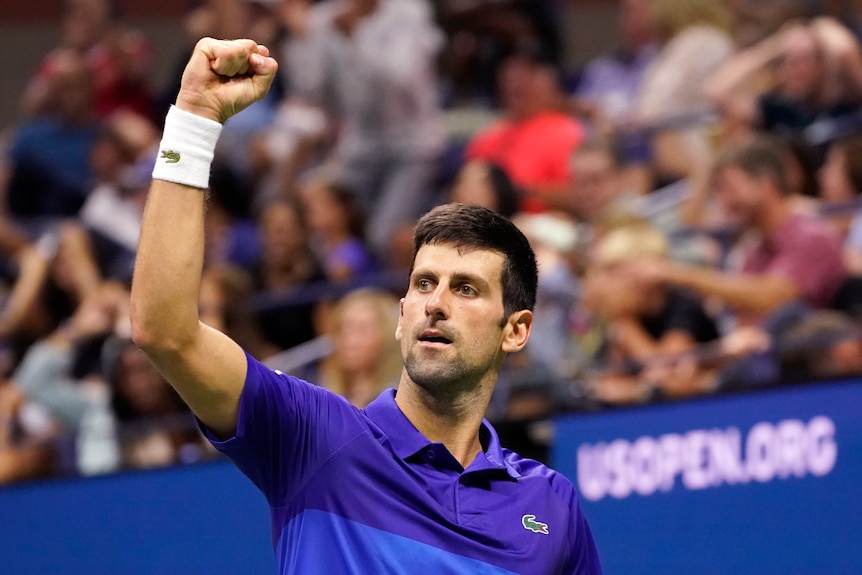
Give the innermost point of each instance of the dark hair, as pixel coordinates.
(506, 193)
(852, 147)
(345, 197)
(610, 148)
(470, 226)
(761, 156)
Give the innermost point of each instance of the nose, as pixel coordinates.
(437, 304)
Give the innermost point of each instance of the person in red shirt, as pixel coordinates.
(533, 140)
(119, 59)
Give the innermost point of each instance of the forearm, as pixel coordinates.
(33, 271)
(205, 367)
(168, 266)
(732, 87)
(631, 339)
(748, 293)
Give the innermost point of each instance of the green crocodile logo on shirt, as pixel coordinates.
(529, 522)
(170, 156)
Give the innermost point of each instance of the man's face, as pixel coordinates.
(740, 195)
(452, 327)
(596, 184)
(516, 80)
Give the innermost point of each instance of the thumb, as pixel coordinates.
(263, 68)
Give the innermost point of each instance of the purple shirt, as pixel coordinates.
(362, 491)
(808, 252)
(612, 82)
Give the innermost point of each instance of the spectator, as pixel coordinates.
(840, 188)
(226, 305)
(812, 71)
(482, 32)
(119, 409)
(233, 235)
(54, 275)
(605, 194)
(670, 108)
(533, 140)
(648, 323)
(50, 154)
(118, 60)
(285, 267)
(371, 65)
(786, 256)
(122, 159)
(365, 358)
(485, 184)
(336, 230)
(156, 429)
(610, 84)
(600, 189)
(80, 403)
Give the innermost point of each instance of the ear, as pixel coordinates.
(400, 317)
(517, 331)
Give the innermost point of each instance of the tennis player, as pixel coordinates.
(415, 483)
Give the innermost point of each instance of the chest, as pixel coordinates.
(519, 525)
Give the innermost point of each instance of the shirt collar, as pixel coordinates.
(406, 440)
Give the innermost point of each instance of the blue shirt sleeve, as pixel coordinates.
(287, 428)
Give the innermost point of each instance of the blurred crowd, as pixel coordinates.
(692, 196)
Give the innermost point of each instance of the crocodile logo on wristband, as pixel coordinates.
(170, 156)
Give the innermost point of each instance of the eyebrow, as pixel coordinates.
(465, 278)
(457, 277)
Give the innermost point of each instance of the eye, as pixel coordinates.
(467, 290)
(423, 285)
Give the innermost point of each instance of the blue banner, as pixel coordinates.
(764, 483)
(184, 520)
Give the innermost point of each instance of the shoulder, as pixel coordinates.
(487, 136)
(285, 393)
(802, 229)
(563, 128)
(541, 477)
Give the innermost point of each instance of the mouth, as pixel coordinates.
(434, 338)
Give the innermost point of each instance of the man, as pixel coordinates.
(417, 476)
(608, 89)
(816, 71)
(533, 139)
(785, 256)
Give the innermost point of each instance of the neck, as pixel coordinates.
(771, 220)
(453, 422)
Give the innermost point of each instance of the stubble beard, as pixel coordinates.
(443, 380)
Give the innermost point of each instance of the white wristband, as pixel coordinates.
(187, 148)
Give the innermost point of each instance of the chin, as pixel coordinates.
(439, 379)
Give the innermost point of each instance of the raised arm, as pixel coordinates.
(205, 367)
(734, 87)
